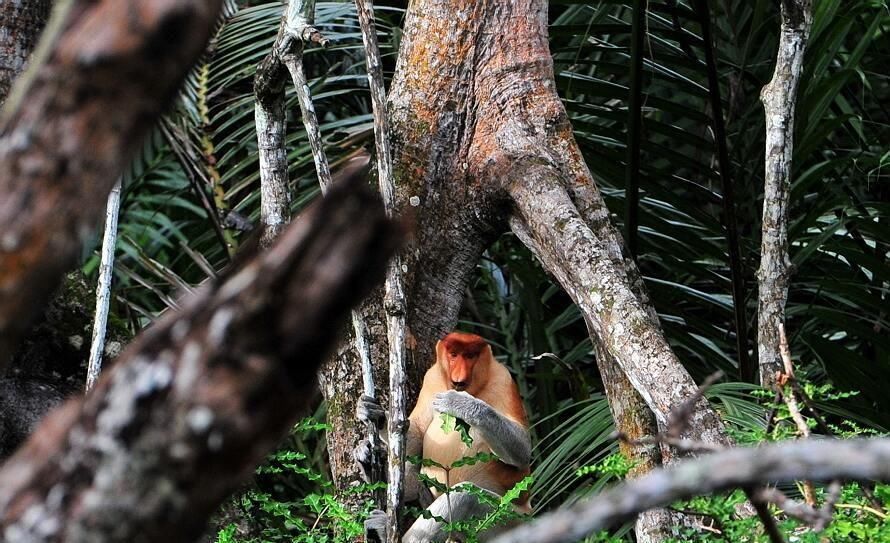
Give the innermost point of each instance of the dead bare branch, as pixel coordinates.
(818, 460)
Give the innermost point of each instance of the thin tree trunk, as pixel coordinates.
(21, 22)
(394, 291)
(269, 115)
(204, 394)
(352, 368)
(103, 287)
(779, 97)
(69, 127)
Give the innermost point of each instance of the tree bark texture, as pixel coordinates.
(482, 143)
(481, 136)
(785, 462)
(269, 115)
(204, 394)
(779, 98)
(21, 22)
(105, 73)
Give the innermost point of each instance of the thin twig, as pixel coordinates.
(747, 370)
(766, 518)
(809, 491)
(103, 289)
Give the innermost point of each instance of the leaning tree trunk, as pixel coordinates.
(481, 144)
(779, 97)
(21, 22)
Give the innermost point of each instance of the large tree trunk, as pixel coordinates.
(779, 98)
(482, 137)
(482, 143)
(21, 22)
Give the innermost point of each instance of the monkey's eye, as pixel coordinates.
(452, 355)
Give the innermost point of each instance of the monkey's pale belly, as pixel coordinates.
(449, 449)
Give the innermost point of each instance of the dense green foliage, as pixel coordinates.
(195, 185)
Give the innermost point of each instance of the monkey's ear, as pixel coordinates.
(440, 352)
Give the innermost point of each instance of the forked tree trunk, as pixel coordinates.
(482, 144)
(779, 98)
(482, 141)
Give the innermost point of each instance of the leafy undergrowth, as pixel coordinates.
(269, 512)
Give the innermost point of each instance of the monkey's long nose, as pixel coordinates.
(459, 385)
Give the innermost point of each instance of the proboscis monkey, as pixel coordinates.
(467, 382)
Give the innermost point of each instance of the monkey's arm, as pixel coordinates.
(509, 440)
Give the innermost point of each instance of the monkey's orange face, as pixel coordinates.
(461, 363)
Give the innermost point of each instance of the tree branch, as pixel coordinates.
(101, 76)
(103, 286)
(394, 291)
(201, 396)
(823, 460)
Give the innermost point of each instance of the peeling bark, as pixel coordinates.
(779, 97)
(105, 73)
(201, 396)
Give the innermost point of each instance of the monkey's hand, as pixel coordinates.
(462, 405)
(506, 438)
(375, 527)
(363, 454)
(368, 409)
